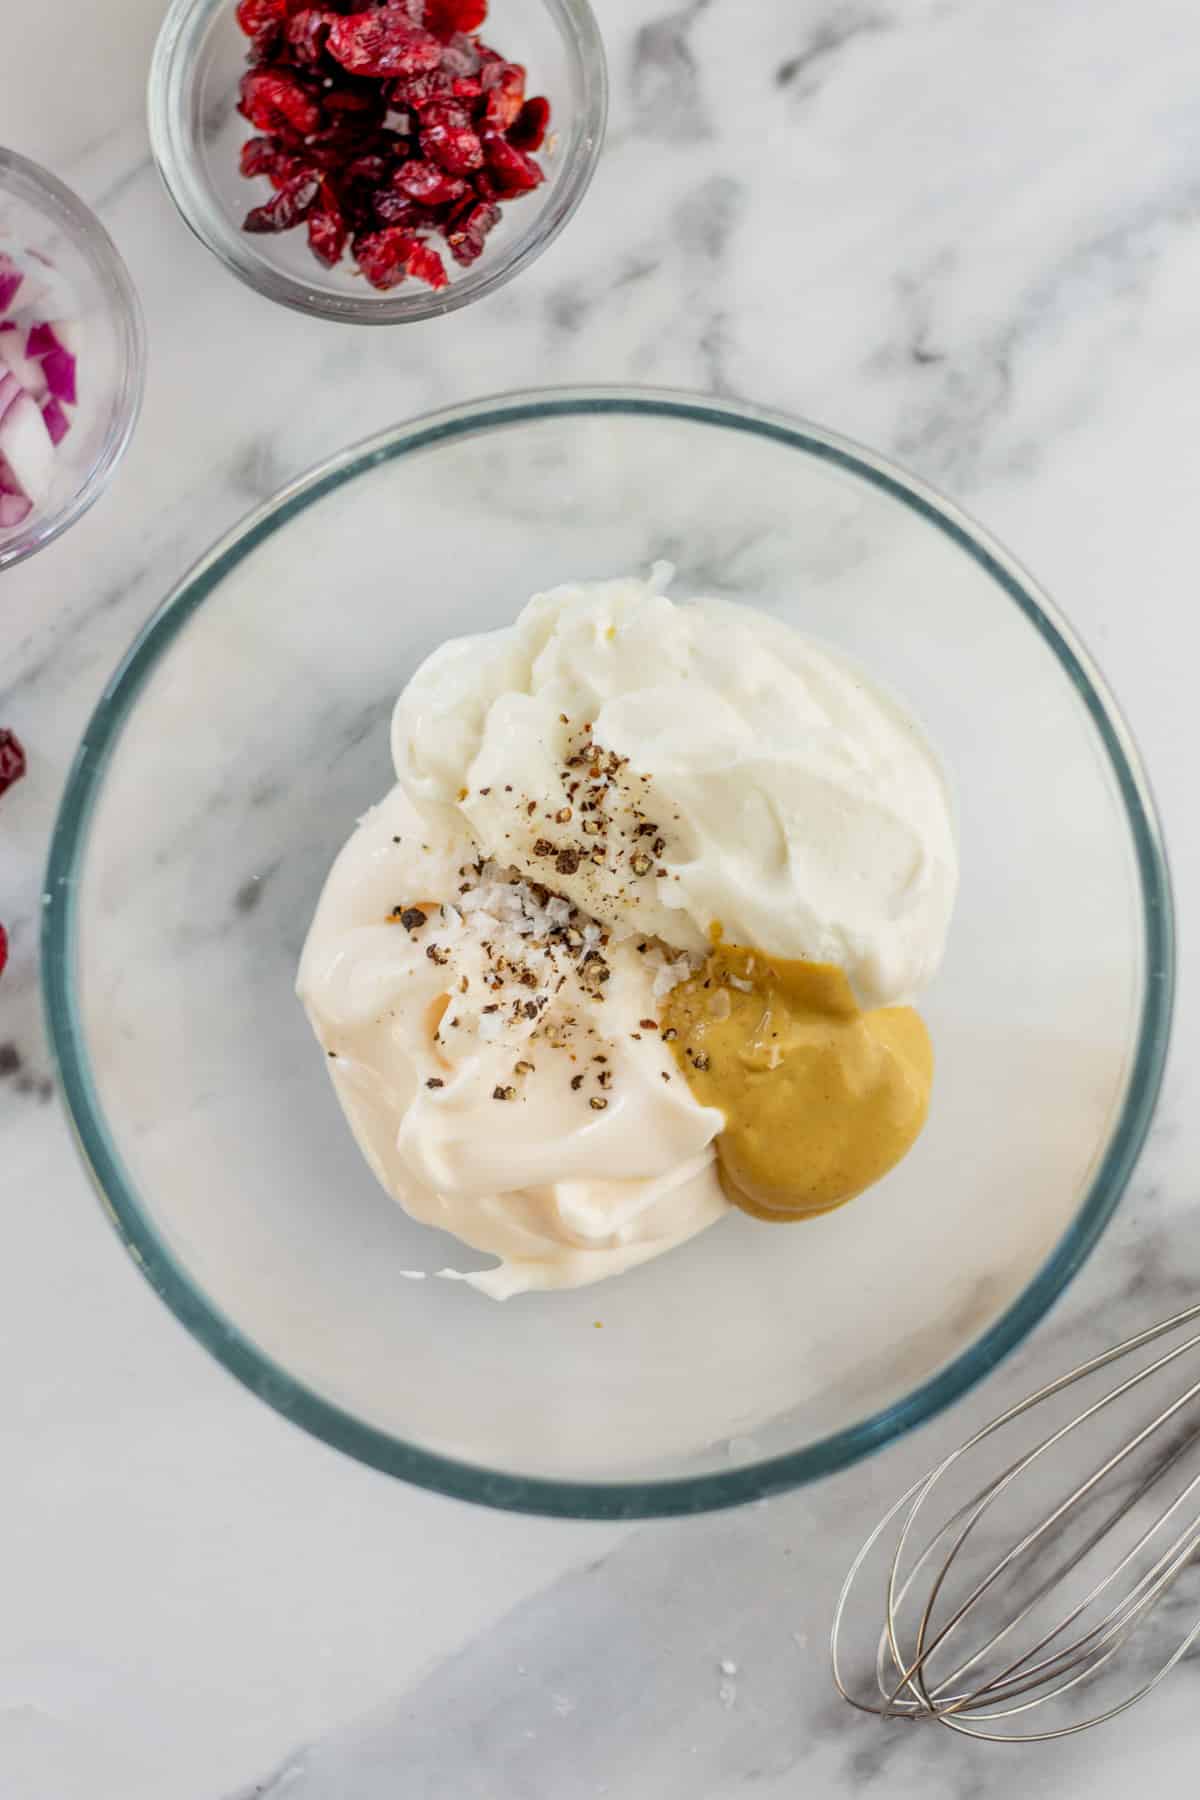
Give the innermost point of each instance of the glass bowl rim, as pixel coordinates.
(93, 242)
(209, 224)
(330, 1422)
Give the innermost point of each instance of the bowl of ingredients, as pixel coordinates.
(655, 985)
(377, 160)
(72, 357)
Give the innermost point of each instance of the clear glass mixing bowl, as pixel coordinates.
(248, 728)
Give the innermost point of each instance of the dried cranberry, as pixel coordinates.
(3, 949)
(360, 100)
(354, 204)
(263, 156)
(529, 132)
(428, 266)
(338, 142)
(386, 257)
(264, 51)
(289, 169)
(12, 759)
(466, 235)
(257, 156)
(384, 42)
(416, 91)
(512, 171)
(271, 99)
(426, 183)
(453, 147)
(391, 208)
(257, 17)
(327, 233)
(448, 17)
(327, 159)
(460, 55)
(383, 255)
(370, 167)
(504, 85)
(322, 76)
(392, 144)
(294, 201)
(445, 110)
(306, 33)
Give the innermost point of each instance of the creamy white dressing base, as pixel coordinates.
(801, 806)
(562, 1194)
(750, 780)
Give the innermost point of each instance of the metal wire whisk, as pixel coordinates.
(1035, 1586)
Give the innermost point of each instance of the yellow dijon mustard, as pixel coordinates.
(820, 1098)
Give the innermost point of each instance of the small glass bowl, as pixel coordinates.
(196, 132)
(46, 221)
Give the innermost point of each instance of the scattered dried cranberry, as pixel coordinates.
(381, 122)
(293, 203)
(372, 167)
(257, 16)
(12, 759)
(257, 156)
(454, 147)
(445, 17)
(447, 111)
(271, 100)
(327, 235)
(3, 949)
(416, 91)
(306, 33)
(529, 132)
(461, 55)
(466, 234)
(425, 182)
(347, 103)
(383, 42)
(386, 257)
(391, 208)
(513, 172)
(428, 266)
(504, 85)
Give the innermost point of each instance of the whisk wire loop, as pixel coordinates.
(1078, 1646)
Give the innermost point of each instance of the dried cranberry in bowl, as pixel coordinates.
(382, 126)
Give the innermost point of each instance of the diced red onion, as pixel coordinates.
(57, 422)
(45, 345)
(10, 389)
(38, 382)
(42, 339)
(67, 333)
(14, 510)
(50, 335)
(26, 449)
(59, 368)
(30, 371)
(11, 278)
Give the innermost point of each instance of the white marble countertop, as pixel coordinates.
(965, 231)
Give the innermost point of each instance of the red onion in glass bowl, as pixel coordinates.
(72, 356)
